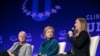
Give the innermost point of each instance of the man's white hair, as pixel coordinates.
(22, 32)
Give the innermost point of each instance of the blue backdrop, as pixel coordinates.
(33, 15)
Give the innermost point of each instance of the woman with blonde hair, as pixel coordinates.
(50, 46)
(80, 39)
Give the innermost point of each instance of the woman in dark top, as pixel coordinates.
(50, 46)
(80, 39)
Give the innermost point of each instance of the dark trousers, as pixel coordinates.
(70, 55)
(66, 55)
(4, 53)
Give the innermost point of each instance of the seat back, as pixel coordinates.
(62, 46)
(32, 46)
(93, 45)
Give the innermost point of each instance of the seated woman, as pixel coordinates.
(50, 46)
(81, 39)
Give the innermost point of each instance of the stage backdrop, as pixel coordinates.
(33, 15)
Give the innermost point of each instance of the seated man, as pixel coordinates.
(20, 48)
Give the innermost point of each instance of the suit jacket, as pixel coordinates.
(25, 50)
(49, 47)
(81, 44)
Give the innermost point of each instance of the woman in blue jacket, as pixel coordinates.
(50, 46)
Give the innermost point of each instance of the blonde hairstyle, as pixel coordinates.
(47, 28)
(83, 24)
(22, 32)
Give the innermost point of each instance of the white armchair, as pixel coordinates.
(62, 46)
(93, 45)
